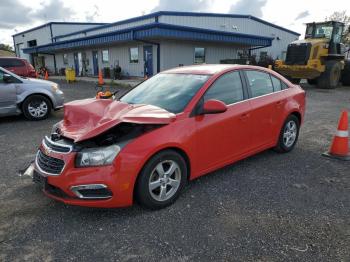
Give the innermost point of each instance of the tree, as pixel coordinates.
(6, 47)
(341, 16)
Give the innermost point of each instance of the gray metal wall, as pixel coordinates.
(174, 53)
(236, 25)
(118, 54)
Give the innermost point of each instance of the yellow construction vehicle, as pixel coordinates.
(319, 58)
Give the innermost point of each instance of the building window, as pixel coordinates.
(32, 43)
(199, 55)
(65, 59)
(105, 56)
(134, 55)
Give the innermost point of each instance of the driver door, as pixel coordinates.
(222, 138)
(7, 96)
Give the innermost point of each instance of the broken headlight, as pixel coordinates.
(100, 156)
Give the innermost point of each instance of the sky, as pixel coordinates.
(19, 15)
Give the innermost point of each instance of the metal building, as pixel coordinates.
(151, 43)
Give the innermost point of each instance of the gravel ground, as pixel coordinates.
(270, 207)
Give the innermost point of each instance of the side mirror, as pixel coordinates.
(7, 78)
(213, 106)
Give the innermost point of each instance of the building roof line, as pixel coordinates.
(156, 26)
(173, 13)
(58, 23)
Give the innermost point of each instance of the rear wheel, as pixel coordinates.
(345, 79)
(330, 78)
(161, 180)
(36, 107)
(312, 81)
(289, 135)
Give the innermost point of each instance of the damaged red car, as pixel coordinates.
(172, 128)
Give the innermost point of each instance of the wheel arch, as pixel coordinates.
(178, 150)
(20, 104)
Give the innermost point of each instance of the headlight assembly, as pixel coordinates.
(100, 156)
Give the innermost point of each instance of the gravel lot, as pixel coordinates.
(270, 207)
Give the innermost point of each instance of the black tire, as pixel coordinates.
(345, 79)
(36, 101)
(281, 146)
(142, 190)
(330, 78)
(312, 81)
(295, 81)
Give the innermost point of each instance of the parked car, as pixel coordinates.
(174, 127)
(19, 66)
(33, 97)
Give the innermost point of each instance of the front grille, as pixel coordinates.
(49, 164)
(57, 147)
(298, 54)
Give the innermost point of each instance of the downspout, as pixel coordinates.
(54, 56)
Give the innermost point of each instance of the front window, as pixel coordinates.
(228, 89)
(105, 56)
(319, 31)
(171, 92)
(134, 55)
(199, 55)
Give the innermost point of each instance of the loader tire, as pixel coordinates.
(345, 79)
(330, 78)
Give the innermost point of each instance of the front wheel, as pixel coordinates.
(289, 135)
(36, 107)
(161, 180)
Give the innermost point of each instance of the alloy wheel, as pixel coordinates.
(165, 180)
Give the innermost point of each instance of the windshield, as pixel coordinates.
(171, 92)
(321, 31)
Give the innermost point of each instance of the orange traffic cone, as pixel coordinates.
(46, 75)
(340, 145)
(100, 78)
(36, 74)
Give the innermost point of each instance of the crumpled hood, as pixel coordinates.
(84, 119)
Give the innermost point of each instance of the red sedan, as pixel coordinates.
(19, 66)
(178, 125)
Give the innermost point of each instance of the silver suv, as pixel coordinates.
(33, 97)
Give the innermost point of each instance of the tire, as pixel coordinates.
(282, 145)
(295, 81)
(36, 107)
(345, 79)
(153, 198)
(330, 78)
(312, 81)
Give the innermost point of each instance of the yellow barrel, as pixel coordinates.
(70, 75)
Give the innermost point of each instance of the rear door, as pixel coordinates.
(7, 97)
(222, 137)
(264, 103)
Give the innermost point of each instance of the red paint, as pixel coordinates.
(22, 68)
(210, 141)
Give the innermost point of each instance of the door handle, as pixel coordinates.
(279, 103)
(244, 116)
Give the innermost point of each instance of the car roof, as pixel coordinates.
(210, 69)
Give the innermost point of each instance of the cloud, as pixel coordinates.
(91, 16)
(7, 18)
(253, 7)
(183, 5)
(53, 10)
(302, 15)
(50, 11)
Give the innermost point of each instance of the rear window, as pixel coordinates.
(8, 62)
